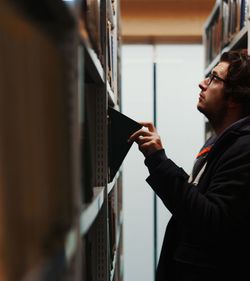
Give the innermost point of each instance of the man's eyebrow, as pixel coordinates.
(214, 72)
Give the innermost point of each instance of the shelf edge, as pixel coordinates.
(90, 211)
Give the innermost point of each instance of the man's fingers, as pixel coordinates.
(149, 125)
(136, 135)
(141, 140)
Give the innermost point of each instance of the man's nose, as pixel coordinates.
(203, 84)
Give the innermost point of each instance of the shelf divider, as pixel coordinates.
(91, 210)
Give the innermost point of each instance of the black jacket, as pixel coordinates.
(208, 235)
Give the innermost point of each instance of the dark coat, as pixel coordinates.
(208, 235)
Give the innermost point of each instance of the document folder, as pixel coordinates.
(121, 127)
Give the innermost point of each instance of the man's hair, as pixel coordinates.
(237, 84)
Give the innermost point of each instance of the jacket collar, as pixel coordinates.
(242, 126)
(239, 128)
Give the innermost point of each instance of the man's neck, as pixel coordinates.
(221, 125)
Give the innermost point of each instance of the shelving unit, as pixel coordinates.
(227, 28)
(239, 41)
(60, 72)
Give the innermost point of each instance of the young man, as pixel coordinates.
(208, 235)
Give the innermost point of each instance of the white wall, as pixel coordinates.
(137, 100)
(180, 125)
(179, 69)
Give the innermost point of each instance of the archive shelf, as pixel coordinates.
(239, 41)
(111, 185)
(95, 68)
(90, 211)
(71, 244)
(100, 223)
(63, 59)
(227, 28)
(116, 254)
(111, 96)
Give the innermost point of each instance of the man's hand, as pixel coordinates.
(148, 140)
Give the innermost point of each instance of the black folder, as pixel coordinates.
(121, 127)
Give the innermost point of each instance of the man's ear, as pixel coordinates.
(235, 106)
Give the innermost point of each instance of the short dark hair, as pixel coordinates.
(237, 84)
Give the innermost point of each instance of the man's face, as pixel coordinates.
(212, 102)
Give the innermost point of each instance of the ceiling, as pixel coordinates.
(164, 21)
